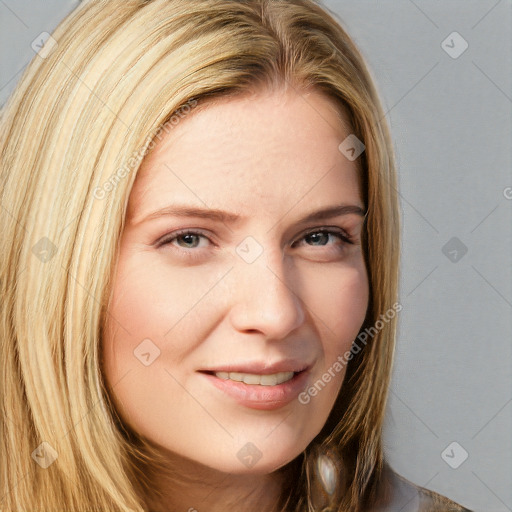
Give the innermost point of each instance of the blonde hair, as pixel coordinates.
(73, 135)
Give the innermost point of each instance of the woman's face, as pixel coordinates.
(270, 292)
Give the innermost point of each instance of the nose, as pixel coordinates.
(264, 300)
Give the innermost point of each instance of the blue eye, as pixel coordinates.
(324, 236)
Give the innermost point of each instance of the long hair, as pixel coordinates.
(88, 108)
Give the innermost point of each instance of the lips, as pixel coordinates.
(258, 385)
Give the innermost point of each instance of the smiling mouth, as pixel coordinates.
(265, 391)
(272, 379)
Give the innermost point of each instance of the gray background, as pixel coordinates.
(451, 123)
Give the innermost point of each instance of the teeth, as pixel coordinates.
(251, 378)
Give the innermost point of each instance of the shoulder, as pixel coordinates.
(402, 494)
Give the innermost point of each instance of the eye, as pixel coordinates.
(188, 242)
(185, 240)
(320, 237)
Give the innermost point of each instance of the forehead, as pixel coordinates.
(250, 148)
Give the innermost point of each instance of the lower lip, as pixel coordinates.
(256, 396)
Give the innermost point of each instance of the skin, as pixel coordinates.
(272, 157)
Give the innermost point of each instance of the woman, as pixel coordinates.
(249, 371)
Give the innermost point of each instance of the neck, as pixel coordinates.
(186, 486)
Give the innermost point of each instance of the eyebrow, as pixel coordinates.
(177, 210)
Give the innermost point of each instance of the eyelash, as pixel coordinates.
(191, 253)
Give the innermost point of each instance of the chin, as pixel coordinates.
(262, 457)
(263, 466)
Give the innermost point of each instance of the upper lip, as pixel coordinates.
(261, 367)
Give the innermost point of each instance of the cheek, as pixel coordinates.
(341, 302)
(340, 322)
(342, 307)
(150, 298)
(135, 349)
(348, 309)
(135, 315)
(152, 306)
